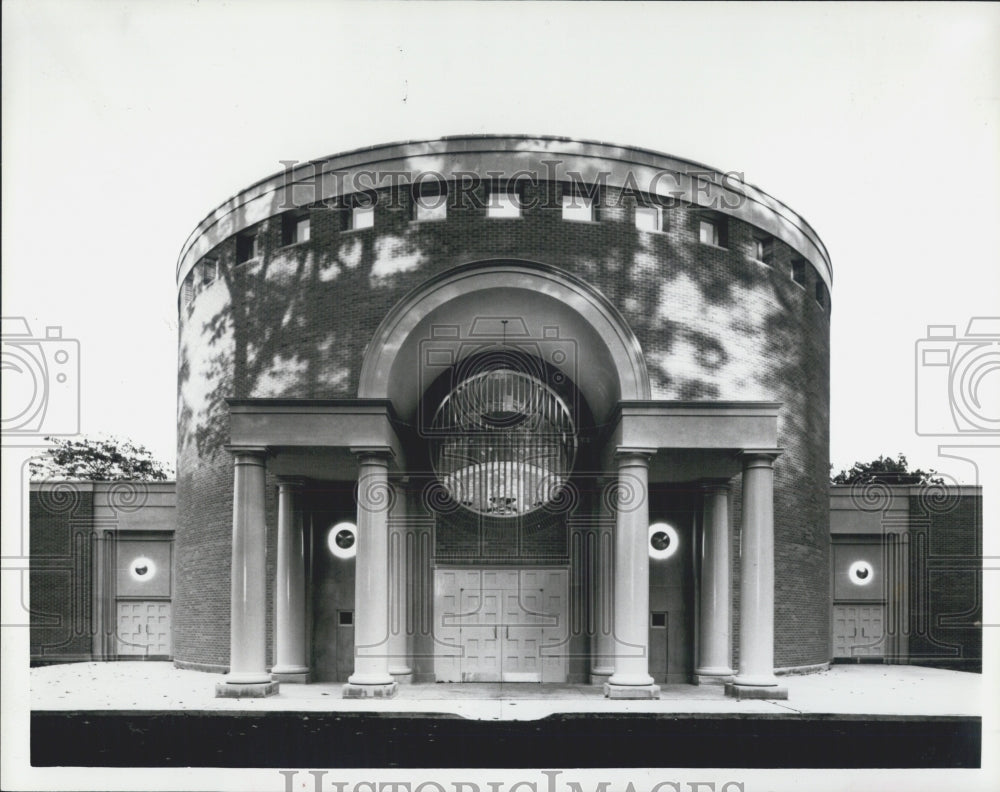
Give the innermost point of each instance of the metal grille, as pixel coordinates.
(503, 443)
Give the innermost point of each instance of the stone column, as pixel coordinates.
(714, 661)
(602, 647)
(400, 639)
(371, 677)
(248, 676)
(291, 664)
(103, 641)
(756, 677)
(631, 679)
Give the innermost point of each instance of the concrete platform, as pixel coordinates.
(151, 714)
(874, 691)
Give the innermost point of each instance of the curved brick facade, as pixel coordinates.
(713, 322)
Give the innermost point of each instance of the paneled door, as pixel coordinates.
(859, 630)
(504, 625)
(143, 628)
(142, 597)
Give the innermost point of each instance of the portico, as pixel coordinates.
(649, 442)
(504, 473)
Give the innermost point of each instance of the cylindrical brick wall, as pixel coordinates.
(713, 323)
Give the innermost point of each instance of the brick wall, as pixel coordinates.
(61, 573)
(713, 324)
(946, 546)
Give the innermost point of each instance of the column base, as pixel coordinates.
(713, 679)
(245, 689)
(775, 692)
(354, 690)
(631, 691)
(300, 675)
(401, 673)
(600, 675)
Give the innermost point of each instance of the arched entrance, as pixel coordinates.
(561, 319)
(506, 369)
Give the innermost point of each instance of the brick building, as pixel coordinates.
(503, 408)
(907, 574)
(101, 578)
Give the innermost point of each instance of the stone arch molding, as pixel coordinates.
(605, 359)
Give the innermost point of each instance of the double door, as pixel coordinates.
(858, 630)
(142, 589)
(501, 625)
(143, 628)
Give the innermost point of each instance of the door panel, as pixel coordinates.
(143, 628)
(858, 630)
(522, 638)
(446, 626)
(344, 651)
(501, 625)
(659, 631)
(556, 632)
(143, 568)
(480, 634)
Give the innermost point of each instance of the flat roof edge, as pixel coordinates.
(504, 144)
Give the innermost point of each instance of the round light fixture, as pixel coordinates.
(861, 573)
(142, 569)
(663, 541)
(343, 540)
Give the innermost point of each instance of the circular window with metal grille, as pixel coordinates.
(503, 443)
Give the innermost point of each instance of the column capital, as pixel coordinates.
(633, 455)
(715, 485)
(248, 455)
(291, 482)
(759, 457)
(378, 455)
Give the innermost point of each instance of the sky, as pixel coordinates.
(125, 123)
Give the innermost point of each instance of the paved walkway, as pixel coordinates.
(846, 690)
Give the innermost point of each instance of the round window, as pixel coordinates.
(861, 573)
(503, 443)
(663, 540)
(142, 569)
(343, 540)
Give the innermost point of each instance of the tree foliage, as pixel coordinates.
(886, 470)
(98, 459)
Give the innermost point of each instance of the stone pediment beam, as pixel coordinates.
(691, 425)
(315, 423)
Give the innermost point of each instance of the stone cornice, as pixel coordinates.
(480, 154)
